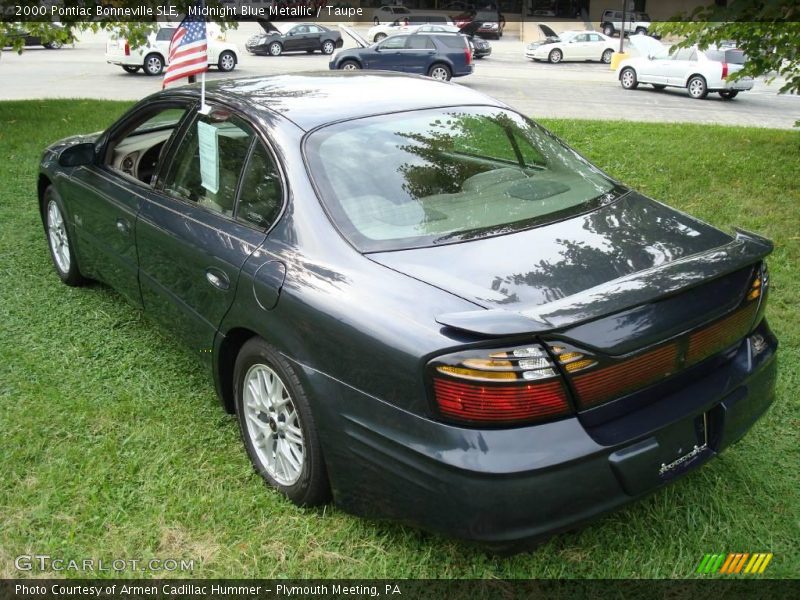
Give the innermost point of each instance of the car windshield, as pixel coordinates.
(442, 175)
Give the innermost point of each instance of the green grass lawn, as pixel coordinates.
(112, 444)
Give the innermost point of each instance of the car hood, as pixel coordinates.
(360, 41)
(647, 46)
(547, 32)
(268, 27)
(527, 269)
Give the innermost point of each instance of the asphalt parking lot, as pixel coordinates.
(568, 90)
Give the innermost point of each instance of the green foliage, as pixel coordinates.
(768, 32)
(113, 444)
(135, 31)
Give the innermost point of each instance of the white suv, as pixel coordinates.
(635, 22)
(153, 56)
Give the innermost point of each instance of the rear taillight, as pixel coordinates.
(468, 54)
(596, 380)
(724, 70)
(127, 49)
(501, 386)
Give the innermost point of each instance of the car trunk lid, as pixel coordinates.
(625, 254)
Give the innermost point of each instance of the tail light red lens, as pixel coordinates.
(724, 70)
(127, 49)
(595, 380)
(468, 54)
(499, 387)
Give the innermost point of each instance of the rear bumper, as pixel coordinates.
(507, 486)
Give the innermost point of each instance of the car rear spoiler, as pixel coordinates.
(616, 295)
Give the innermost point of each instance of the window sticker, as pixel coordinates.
(209, 156)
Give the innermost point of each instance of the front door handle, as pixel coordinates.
(217, 278)
(123, 226)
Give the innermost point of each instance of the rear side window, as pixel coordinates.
(732, 56)
(452, 41)
(260, 195)
(165, 34)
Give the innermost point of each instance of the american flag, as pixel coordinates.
(188, 49)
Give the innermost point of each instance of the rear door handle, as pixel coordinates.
(217, 278)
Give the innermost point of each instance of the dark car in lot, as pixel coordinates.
(419, 301)
(53, 38)
(438, 55)
(489, 23)
(293, 37)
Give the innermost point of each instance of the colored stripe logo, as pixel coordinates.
(734, 563)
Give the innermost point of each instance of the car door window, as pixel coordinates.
(420, 42)
(396, 42)
(136, 150)
(261, 195)
(684, 54)
(314, 29)
(209, 162)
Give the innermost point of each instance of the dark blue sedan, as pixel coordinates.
(416, 300)
(438, 55)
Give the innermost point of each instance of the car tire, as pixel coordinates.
(153, 64)
(728, 94)
(376, 21)
(555, 56)
(607, 56)
(226, 62)
(328, 47)
(628, 78)
(54, 45)
(608, 30)
(440, 72)
(277, 426)
(640, 31)
(62, 249)
(275, 49)
(130, 68)
(349, 65)
(697, 87)
(378, 37)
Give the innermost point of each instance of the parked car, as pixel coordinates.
(387, 14)
(698, 71)
(438, 55)
(418, 300)
(153, 57)
(293, 37)
(55, 39)
(492, 23)
(572, 45)
(635, 22)
(408, 24)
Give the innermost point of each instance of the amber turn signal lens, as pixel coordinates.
(579, 364)
(474, 374)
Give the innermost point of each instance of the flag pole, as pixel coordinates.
(203, 107)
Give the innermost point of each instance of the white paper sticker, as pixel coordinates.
(209, 156)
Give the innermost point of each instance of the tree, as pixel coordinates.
(43, 27)
(768, 33)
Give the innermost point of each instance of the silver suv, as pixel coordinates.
(635, 22)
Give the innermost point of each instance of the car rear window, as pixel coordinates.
(437, 176)
(165, 34)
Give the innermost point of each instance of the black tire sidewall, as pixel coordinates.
(312, 488)
(443, 66)
(219, 61)
(147, 71)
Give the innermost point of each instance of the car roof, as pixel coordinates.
(316, 98)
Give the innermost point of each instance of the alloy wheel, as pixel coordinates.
(273, 425)
(227, 62)
(57, 235)
(275, 49)
(556, 56)
(327, 48)
(440, 73)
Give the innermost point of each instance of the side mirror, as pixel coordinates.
(77, 155)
